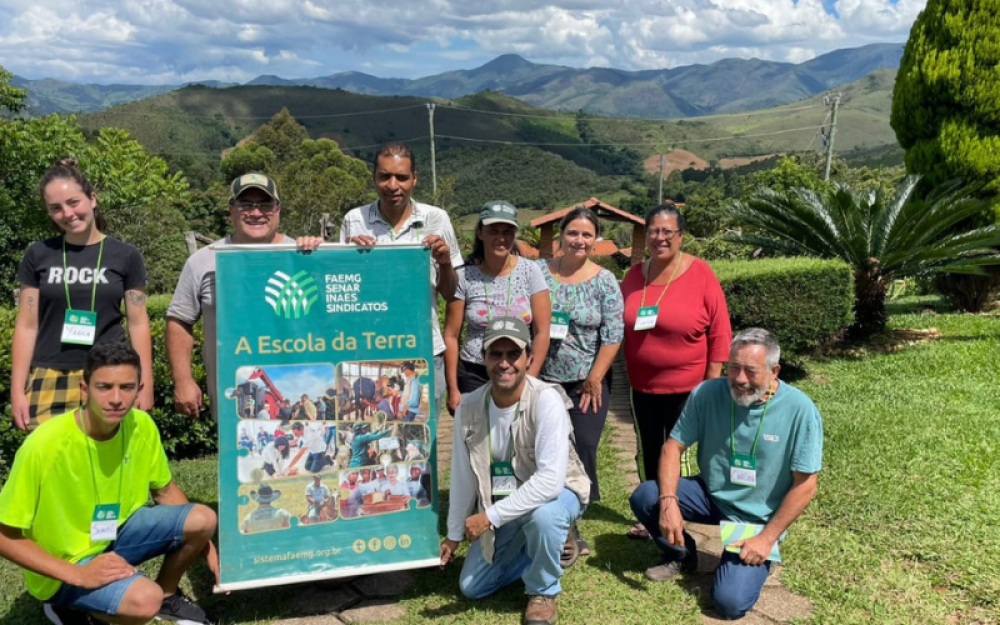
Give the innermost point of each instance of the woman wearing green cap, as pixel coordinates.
(494, 282)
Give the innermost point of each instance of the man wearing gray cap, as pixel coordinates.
(255, 210)
(517, 485)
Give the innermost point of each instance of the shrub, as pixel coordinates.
(805, 302)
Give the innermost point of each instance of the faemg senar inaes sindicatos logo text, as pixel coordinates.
(291, 297)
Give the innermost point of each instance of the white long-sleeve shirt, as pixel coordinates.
(551, 459)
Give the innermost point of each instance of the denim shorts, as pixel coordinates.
(152, 531)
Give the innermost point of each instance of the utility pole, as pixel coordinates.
(835, 101)
(434, 177)
(659, 195)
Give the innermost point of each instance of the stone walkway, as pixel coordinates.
(366, 599)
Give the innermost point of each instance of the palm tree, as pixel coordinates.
(883, 236)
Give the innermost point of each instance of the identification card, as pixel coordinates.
(504, 481)
(104, 525)
(743, 470)
(388, 443)
(559, 326)
(646, 320)
(79, 327)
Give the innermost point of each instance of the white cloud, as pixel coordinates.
(177, 40)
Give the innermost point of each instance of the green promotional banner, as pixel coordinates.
(327, 419)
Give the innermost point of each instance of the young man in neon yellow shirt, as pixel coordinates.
(73, 513)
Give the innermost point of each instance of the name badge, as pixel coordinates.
(743, 470)
(79, 327)
(104, 524)
(559, 326)
(504, 481)
(646, 320)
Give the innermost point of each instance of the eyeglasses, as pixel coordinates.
(264, 207)
(666, 233)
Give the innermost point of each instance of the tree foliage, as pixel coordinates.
(11, 98)
(882, 236)
(946, 101)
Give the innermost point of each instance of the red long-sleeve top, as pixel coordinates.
(692, 329)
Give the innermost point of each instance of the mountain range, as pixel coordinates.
(726, 86)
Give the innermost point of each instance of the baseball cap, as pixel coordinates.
(512, 328)
(498, 212)
(254, 181)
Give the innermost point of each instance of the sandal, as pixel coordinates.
(581, 543)
(637, 532)
(570, 551)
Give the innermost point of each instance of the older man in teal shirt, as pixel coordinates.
(760, 447)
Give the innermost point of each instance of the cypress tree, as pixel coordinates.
(946, 102)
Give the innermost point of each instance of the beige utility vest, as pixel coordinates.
(476, 433)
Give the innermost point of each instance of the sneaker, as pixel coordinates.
(181, 610)
(541, 610)
(669, 569)
(65, 616)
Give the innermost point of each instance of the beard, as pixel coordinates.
(744, 401)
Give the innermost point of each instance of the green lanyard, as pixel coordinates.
(93, 471)
(486, 291)
(489, 430)
(732, 425)
(573, 288)
(642, 304)
(93, 295)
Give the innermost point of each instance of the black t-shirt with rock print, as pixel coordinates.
(121, 270)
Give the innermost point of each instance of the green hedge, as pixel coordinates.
(183, 437)
(805, 302)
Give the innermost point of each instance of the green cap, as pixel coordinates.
(254, 181)
(498, 212)
(512, 328)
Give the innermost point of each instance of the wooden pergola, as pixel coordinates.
(548, 223)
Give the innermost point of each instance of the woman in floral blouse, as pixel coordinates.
(585, 331)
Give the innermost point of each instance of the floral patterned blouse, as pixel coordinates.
(595, 309)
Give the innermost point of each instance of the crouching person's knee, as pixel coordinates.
(200, 523)
(472, 588)
(731, 603)
(141, 602)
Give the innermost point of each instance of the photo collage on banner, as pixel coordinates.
(326, 419)
(348, 446)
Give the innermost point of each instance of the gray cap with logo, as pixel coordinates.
(512, 328)
(498, 212)
(254, 181)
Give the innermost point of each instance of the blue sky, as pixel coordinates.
(173, 41)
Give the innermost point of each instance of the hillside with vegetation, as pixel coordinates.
(192, 128)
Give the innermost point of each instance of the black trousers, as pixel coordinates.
(654, 415)
(587, 429)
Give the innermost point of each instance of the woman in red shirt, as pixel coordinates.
(677, 334)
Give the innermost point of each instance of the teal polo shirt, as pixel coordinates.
(791, 439)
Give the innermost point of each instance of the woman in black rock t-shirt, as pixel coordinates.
(72, 287)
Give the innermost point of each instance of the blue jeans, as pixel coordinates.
(528, 548)
(150, 532)
(737, 585)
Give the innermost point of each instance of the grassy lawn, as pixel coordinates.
(903, 530)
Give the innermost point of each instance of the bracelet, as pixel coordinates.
(662, 497)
